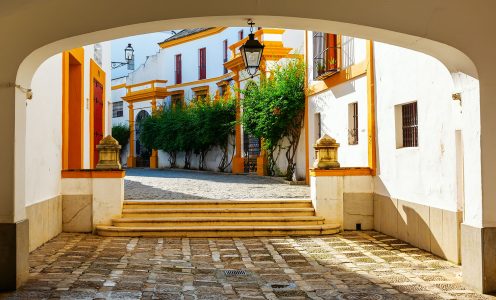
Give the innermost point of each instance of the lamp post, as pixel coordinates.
(252, 52)
(128, 56)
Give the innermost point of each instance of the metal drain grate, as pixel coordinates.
(235, 272)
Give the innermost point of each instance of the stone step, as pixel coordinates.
(216, 212)
(260, 203)
(217, 221)
(218, 231)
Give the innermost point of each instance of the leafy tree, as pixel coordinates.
(196, 128)
(274, 109)
(121, 133)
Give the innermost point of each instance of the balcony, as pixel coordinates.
(148, 90)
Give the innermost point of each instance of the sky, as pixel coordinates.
(143, 45)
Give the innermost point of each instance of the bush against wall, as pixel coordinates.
(194, 129)
(121, 133)
(273, 109)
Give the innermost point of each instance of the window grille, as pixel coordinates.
(410, 124)
(353, 129)
(324, 55)
(347, 51)
(178, 69)
(117, 109)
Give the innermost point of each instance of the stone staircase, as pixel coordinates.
(217, 218)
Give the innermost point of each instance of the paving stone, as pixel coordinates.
(74, 267)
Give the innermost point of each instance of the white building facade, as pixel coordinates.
(191, 64)
(399, 129)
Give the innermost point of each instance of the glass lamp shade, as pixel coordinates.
(129, 52)
(251, 52)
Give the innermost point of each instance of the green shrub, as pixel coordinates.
(196, 128)
(121, 133)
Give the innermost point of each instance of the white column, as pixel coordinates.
(14, 229)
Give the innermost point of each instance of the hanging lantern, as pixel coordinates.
(251, 52)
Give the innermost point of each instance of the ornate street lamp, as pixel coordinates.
(252, 52)
(128, 56)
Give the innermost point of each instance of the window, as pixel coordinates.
(240, 35)
(201, 93)
(177, 100)
(409, 124)
(223, 90)
(117, 109)
(318, 126)
(406, 117)
(202, 63)
(224, 46)
(325, 56)
(178, 69)
(353, 123)
(201, 96)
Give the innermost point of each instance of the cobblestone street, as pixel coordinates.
(352, 265)
(185, 185)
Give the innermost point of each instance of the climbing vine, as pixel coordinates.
(273, 110)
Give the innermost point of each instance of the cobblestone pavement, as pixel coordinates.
(351, 265)
(179, 184)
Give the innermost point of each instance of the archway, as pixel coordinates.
(142, 153)
(425, 26)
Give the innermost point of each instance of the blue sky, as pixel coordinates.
(143, 45)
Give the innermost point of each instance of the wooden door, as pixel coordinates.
(97, 117)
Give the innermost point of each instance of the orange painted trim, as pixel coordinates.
(372, 155)
(180, 85)
(152, 82)
(341, 172)
(342, 76)
(77, 54)
(192, 37)
(118, 86)
(306, 121)
(93, 173)
(201, 88)
(273, 31)
(131, 161)
(96, 73)
(146, 95)
(258, 36)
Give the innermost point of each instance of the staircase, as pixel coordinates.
(217, 218)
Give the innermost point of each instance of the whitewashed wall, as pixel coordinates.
(44, 132)
(44, 125)
(333, 108)
(425, 174)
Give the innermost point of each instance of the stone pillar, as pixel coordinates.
(262, 161)
(131, 160)
(478, 233)
(14, 229)
(238, 163)
(154, 156)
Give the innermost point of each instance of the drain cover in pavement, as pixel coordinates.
(235, 272)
